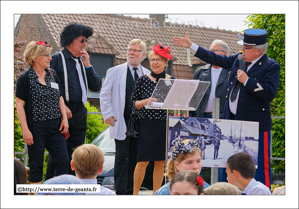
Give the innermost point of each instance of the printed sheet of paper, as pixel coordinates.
(180, 94)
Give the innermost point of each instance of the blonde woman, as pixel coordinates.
(151, 122)
(41, 111)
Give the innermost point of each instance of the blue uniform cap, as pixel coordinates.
(254, 37)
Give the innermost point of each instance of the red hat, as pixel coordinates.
(43, 43)
(161, 50)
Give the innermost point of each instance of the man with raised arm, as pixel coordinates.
(253, 84)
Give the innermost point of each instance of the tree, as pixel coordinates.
(95, 123)
(19, 63)
(19, 67)
(274, 24)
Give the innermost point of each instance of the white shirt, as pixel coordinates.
(139, 71)
(255, 187)
(103, 190)
(214, 79)
(233, 105)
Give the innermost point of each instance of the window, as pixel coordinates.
(101, 63)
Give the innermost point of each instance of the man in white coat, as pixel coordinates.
(115, 107)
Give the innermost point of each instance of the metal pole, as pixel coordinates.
(166, 147)
(216, 105)
(26, 155)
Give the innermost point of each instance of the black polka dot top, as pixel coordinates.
(45, 98)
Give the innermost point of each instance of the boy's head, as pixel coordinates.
(87, 161)
(240, 165)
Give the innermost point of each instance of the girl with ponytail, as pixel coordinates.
(186, 155)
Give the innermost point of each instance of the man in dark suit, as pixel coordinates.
(218, 77)
(75, 79)
(255, 87)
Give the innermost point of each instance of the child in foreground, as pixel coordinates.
(87, 162)
(186, 183)
(240, 169)
(186, 155)
(222, 188)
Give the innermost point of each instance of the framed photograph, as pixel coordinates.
(218, 138)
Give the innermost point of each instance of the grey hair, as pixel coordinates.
(262, 47)
(140, 42)
(223, 45)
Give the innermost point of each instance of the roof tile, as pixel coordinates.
(119, 30)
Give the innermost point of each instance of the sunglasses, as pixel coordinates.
(82, 40)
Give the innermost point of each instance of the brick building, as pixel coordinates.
(112, 33)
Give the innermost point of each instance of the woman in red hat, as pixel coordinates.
(151, 122)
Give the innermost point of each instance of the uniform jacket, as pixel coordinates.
(261, 88)
(204, 74)
(113, 98)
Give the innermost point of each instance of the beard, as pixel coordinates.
(132, 60)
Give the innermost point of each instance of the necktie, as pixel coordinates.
(136, 76)
(238, 84)
(83, 88)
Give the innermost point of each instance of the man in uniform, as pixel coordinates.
(253, 84)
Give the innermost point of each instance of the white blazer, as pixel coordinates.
(113, 96)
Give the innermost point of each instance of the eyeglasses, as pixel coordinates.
(134, 50)
(155, 60)
(216, 50)
(48, 55)
(82, 40)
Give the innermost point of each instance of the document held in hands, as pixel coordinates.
(156, 104)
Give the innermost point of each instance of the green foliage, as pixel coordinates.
(274, 24)
(95, 123)
(95, 126)
(19, 143)
(45, 166)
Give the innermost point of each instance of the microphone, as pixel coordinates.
(240, 58)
